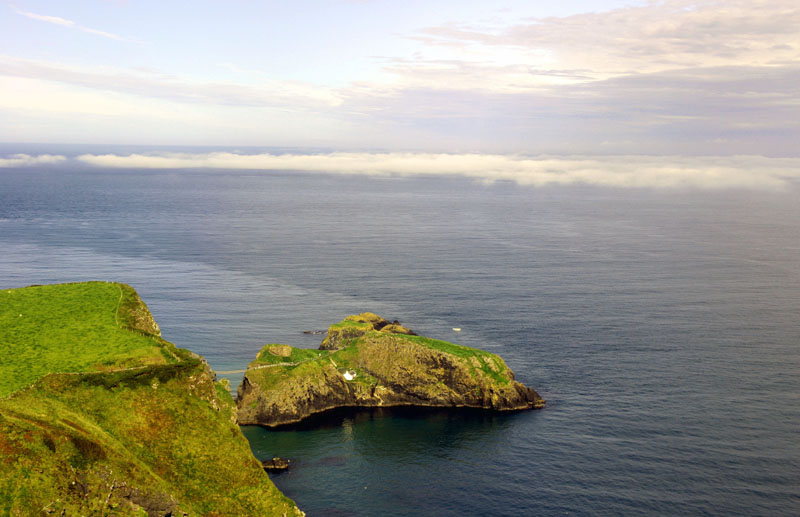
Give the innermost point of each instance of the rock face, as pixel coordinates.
(393, 367)
(275, 465)
(357, 325)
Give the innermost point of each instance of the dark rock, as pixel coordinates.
(275, 464)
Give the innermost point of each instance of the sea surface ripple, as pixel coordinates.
(663, 327)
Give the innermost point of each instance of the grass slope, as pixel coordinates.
(490, 364)
(72, 328)
(142, 429)
(308, 360)
(277, 354)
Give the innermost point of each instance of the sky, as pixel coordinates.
(608, 77)
(675, 78)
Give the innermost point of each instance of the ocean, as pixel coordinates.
(662, 326)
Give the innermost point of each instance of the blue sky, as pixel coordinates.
(672, 77)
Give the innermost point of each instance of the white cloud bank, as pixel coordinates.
(26, 160)
(750, 172)
(655, 37)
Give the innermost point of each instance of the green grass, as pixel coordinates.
(350, 323)
(306, 363)
(310, 363)
(297, 355)
(90, 326)
(79, 444)
(485, 359)
(445, 346)
(270, 377)
(143, 429)
(347, 358)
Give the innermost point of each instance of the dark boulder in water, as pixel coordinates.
(275, 464)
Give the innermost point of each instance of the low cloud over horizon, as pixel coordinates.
(27, 160)
(627, 171)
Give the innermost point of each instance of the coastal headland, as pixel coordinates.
(101, 416)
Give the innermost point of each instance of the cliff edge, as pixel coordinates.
(101, 416)
(366, 361)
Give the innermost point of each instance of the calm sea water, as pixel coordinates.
(663, 327)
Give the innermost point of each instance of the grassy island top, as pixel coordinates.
(351, 323)
(46, 329)
(285, 355)
(275, 363)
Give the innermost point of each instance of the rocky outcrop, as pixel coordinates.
(357, 325)
(392, 367)
(275, 464)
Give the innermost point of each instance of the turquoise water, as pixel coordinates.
(661, 326)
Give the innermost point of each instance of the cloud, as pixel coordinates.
(673, 76)
(749, 172)
(26, 160)
(153, 84)
(661, 35)
(700, 77)
(708, 111)
(69, 23)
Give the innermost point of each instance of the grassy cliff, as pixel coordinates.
(100, 416)
(392, 366)
(74, 328)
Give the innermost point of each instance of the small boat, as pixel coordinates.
(456, 329)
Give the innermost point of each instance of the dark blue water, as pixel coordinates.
(663, 327)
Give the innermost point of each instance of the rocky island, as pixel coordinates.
(101, 416)
(367, 361)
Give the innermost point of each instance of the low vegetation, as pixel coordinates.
(92, 326)
(277, 354)
(490, 364)
(348, 357)
(118, 421)
(350, 323)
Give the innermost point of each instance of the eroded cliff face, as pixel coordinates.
(133, 314)
(389, 366)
